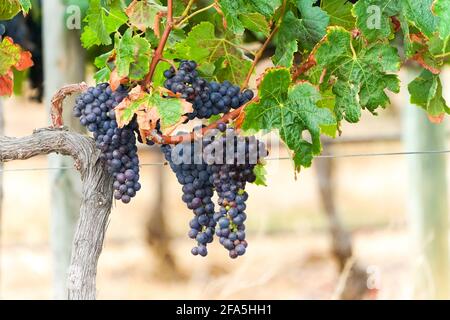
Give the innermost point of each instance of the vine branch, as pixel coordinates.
(183, 19)
(162, 43)
(58, 99)
(260, 52)
(304, 67)
(188, 8)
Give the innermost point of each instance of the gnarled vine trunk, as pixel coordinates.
(95, 203)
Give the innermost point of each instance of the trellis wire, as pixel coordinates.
(327, 156)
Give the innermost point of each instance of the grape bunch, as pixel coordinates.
(95, 108)
(220, 161)
(229, 178)
(192, 173)
(207, 98)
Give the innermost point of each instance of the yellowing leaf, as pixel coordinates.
(142, 14)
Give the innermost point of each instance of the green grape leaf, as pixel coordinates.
(142, 55)
(132, 55)
(142, 14)
(12, 58)
(442, 9)
(26, 5)
(286, 41)
(202, 45)
(232, 68)
(360, 72)
(241, 15)
(313, 23)
(89, 37)
(420, 15)
(9, 8)
(101, 22)
(158, 77)
(124, 52)
(284, 56)
(102, 60)
(9, 55)
(437, 46)
(102, 75)
(178, 7)
(260, 172)
(214, 118)
(265, 7)
(340, 13)
(328, 102)
(255, 22)
(20, 77)
(291, 110)
(426, 92)
(373, 17)
(307, 30)
(231, 10)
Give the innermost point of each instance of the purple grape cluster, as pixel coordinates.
(222, 161)
(229, 179)
(207, 98)
(95, 108)
(197, 192)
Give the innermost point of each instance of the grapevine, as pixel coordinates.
(330, 65)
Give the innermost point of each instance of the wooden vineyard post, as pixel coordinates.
(427, 202)
(63, 64)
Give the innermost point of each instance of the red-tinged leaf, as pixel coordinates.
(6, 84)
(418, 38)
(420, 59)
(147, 118)
(25, 61)
(150, 108)
(9, 54)
(115, 80)
(122, 108)
(144, 14)
(436, 119)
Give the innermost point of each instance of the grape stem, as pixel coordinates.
(58, 99)
(183, 19)
(162, 43)
(188, 8)
(304, 67)
(261, 50)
